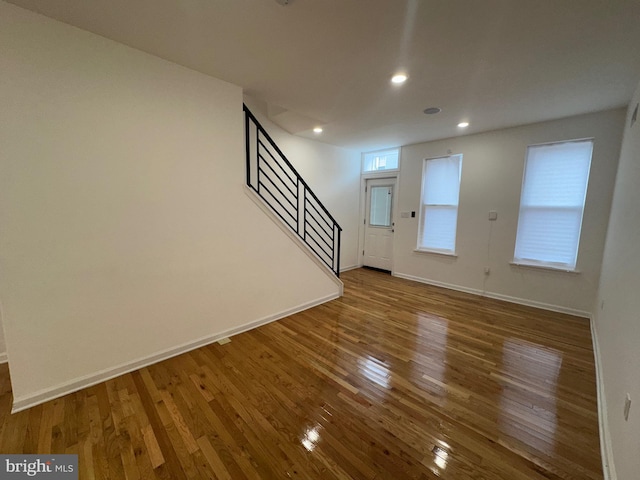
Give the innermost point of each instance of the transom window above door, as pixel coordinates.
(381, 161)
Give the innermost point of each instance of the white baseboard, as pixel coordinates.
(497, 296)
(350, 267)
(606, 450)
(45, 395)
(3, 357)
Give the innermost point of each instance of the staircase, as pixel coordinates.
(272, 177)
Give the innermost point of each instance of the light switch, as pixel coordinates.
(493, 215)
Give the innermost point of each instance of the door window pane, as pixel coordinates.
(380, 214)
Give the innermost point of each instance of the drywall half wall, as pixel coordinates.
(492, 169)
(333, 173)
(127, 234)
(617, 309)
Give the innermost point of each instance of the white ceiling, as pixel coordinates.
(495, 63)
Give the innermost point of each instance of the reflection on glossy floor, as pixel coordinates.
(395, 380)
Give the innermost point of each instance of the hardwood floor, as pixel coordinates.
(396, 380)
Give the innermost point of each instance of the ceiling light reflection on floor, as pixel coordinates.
(375, 371)
(441, 456)
(311, 438)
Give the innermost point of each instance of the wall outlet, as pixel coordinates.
(627, 407)
(493, 215)
(487, 270)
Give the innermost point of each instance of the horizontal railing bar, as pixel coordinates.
(284, 158)
(272, 196)
(320, 234)
(323, 233)
(286, 222)
(321, 242)
(327, 230)
(292, 180)
(275, 160)
(319, 255)
(273, 207)
(329, 225)
(276, 187)
(321, 215)
(266, 187)
(289, 219)
(293, 194)
(319, 237)
(324, 209)
(284, 207)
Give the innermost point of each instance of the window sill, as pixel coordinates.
(436, 252)
(544, 267)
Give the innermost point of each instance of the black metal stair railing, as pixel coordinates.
(281, 187)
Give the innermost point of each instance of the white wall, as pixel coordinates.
(617, 307)
(3, 346)
(126, 231)
(492, 170)
(333, 173)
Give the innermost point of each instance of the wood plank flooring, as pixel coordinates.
(396, 380)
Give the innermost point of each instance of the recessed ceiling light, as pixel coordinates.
(463, 124)
(317, 130)
(432, 110)
(399, 78)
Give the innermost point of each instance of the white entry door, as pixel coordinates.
(378, 230)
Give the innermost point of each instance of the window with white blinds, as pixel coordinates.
(554, 189)
(439, 204)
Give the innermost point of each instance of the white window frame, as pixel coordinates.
(383, 172)
(546, 264)
(423, 207)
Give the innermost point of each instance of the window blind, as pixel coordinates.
(439, 206)
(552, 204)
